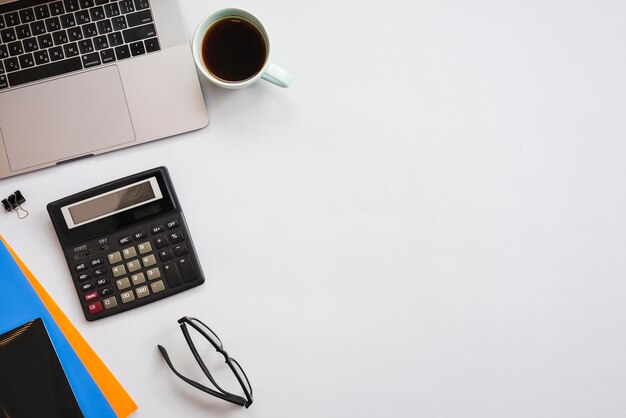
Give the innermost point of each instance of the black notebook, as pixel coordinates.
(32, 380)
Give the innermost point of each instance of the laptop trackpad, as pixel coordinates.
(65, 118)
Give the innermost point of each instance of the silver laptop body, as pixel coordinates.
(84, 77)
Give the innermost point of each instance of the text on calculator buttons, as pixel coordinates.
(129, 252)
(128, 296)
(133, 265)
(80, 267)
(122, 283)
(97, 262)
(115, 257)
(84, 276)
(144, 247)
(186, 269)
(149, 260)
(140, 235)
(118, 270)
(100, 271)
(138, 278)
(161, 242)
(153, 273)
(166, 255)
(171, 272)
(95, 307)
(176, 237)
(103, 281)
(125, 240)
(142, 291)
(91, 296)
(157, 229)
(181, 250)
(173, 224)
(110, 302)
(157, 286)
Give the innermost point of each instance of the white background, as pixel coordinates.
(428, 223)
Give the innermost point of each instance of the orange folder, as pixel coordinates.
(120, 400)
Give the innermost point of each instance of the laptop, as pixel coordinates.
(83, 77)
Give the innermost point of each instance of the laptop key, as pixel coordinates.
(111, 10)
(97, 13)
(15, 48)
(139, 32)
(42, 12)
(122, 52)
(71, 5)
(45, 41)
(100, 2)
(100, 42)
(90, 30)
(152, 45)
(30, 44)
(139, 18)
(85, 46)
(1, 67)
(60, 37)
(38, 28)
(91, 60)
(85, 4)
(53, 24)
(115, 39)
(3, 82)
(104, 26)
(119, 23)
(12, 19)
(27, 15)
(57, 8)
(4, 52)
(74, 34)
(44, 71)
(2, 24)
(67, 20)
(27, 61)
(141, 4)
(8, 35)
(56, 53)
(22, 31)
(41, 57)
(107, 56)
(70, 50)
(137, 48)
(126, 6)
(82, 17)
(11, 64)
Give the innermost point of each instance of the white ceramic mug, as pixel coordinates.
(269, 71)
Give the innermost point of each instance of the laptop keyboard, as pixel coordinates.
(70, 35)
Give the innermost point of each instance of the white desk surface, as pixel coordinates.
(429, 223)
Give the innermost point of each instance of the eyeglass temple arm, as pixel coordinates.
(234, 399)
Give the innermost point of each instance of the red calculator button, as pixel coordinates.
(91, 295)
(95, 307)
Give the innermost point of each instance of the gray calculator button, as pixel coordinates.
(129, 252)
(142, 292)
(157, 286)
(115, 257)
(123, 283)
(145, 247)
(127, 296)
(110, 302)
(153, 274)
(133, 265)
(138, 278)
(149, 260)
(118, 270)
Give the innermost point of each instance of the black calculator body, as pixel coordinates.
(126, 243)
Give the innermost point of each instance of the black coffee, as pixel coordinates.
(233, 49)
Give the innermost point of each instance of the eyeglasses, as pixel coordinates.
(207, 333)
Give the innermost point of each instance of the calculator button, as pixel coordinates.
(84, 276)
(144, 247)
(97, 262)
(129, 252)
(102, 281)
(186, 269)
(110, 302)
(127, 296)
(88, 286)
(176, 237)
(115, 257)
(157, 229)
(133, 265)
(118, 270)
(157, 286)
(173, 277)
(173, 224)
(140, 235)
(95, 307)
(166, 255)
(80, 267)
(161, 242)
(125, 240)
(91, 296)
(138, 278)
(100, 271)
(106, 291)
(148, 260)
(181, 250)
(142, 292)
(122, 283)
(153, 274)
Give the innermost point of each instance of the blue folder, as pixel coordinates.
(19, 303)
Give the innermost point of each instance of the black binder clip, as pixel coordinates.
(13, 203)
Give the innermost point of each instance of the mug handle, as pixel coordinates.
(276, 75)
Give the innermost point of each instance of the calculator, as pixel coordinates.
(126, 243)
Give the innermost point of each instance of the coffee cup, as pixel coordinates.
(231, 49)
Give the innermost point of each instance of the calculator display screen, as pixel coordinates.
(112, 202)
